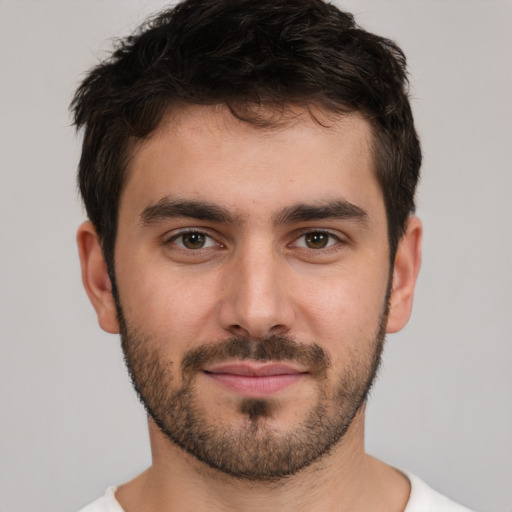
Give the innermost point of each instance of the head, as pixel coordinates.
(244, 55)
(249, 171)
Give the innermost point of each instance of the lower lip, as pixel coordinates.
(255, 386)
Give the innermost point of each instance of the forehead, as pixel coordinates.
(217, 125)
(206, 153)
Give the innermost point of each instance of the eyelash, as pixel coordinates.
(332, 240)
(180, 236)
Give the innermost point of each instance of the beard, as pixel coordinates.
(251, 449)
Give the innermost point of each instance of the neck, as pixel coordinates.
(347, 479)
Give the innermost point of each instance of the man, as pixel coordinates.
(248, 169)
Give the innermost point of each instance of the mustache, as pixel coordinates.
(272, 348)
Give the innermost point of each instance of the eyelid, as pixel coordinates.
(338, 238)
(172, 236)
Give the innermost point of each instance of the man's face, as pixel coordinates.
(252, 269)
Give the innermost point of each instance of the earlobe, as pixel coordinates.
(95, 277)
(405, 272)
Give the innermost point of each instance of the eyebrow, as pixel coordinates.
(171, 208)
(167, 208)
(325, 210)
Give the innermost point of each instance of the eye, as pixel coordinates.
(316, 240)
(193, 240)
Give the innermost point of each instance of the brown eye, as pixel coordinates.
(193, 245)
(194, 240)
(316, 240)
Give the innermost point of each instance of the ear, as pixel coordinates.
(95, 277)
(405, 272)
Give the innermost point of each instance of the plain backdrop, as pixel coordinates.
(70, 424)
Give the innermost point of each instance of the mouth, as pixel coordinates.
(255, 380)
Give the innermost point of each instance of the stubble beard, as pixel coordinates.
(253, 449)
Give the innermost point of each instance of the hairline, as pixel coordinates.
(280, 121)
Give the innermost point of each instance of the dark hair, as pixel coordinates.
(244, 54)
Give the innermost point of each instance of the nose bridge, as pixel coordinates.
(255, 301)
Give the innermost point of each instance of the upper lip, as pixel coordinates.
(254, 369)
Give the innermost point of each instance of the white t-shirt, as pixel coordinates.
(422, 499)
(425, 499)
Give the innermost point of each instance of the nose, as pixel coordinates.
(256, 301)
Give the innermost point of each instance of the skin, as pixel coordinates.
(257, 277)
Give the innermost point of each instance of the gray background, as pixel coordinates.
(70, 424)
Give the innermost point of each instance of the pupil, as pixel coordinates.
(193, 240)
(316, 240)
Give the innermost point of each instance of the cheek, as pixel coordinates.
(169, 305)
(344, 308)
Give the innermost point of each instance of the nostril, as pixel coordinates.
(279, 329)
(238, 330)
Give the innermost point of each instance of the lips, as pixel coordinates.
(255, 379)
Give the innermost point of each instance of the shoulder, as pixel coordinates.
(107, 503)
(425, 499)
